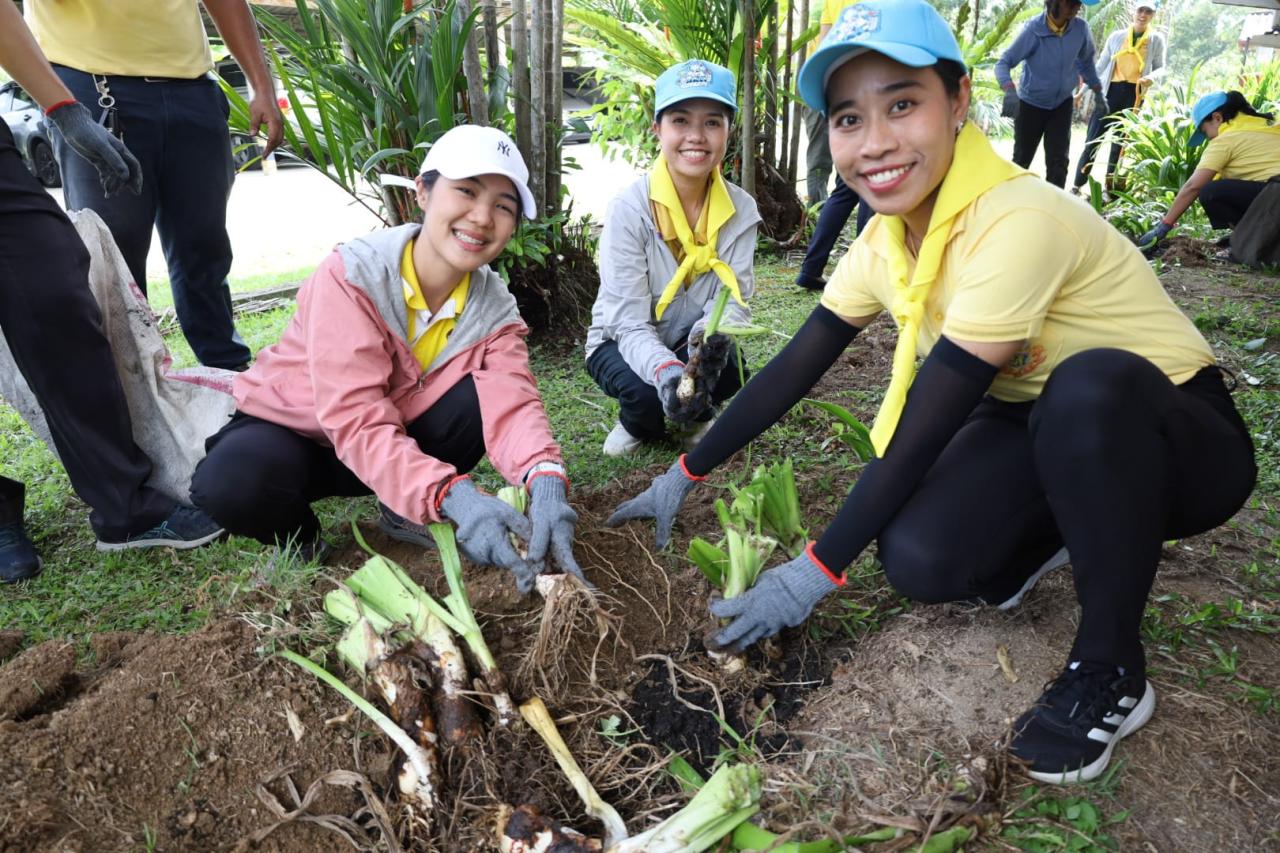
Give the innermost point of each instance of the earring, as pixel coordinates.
(959, 127)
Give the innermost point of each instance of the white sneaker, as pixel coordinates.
(691, 438)
(1057, 561)
(620, 442)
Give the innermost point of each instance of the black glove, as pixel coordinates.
(677, 410)
(116, 166)
(1009, 108)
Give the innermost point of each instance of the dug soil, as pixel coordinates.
(878, 712)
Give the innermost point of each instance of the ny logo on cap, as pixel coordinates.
(504, 149)
(855, 22)
(695, 75)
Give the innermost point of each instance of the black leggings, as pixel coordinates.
(1225, 201)
(1112, 460)
(259, 479)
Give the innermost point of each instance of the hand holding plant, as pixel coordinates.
(553, 522)
(484, 523)
(661, 501)
(782, 598)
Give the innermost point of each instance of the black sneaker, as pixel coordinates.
(186, 527)
(804, 282)
(1068, 736)
(18, 558)
(398, 527)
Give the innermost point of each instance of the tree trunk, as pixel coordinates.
(786, 163)
(538, 104)
(520, 78)
(492, 49)
(555, 104)
(771, 92)
(797, 106)
(749, 97)
(477, 99)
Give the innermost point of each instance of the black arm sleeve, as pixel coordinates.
(948, 387)
(775, 389)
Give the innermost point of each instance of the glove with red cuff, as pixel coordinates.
(116, 167)
(783, 597)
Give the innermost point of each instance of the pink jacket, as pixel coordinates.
(343, 374)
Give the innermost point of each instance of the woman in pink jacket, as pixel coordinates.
(404, 364)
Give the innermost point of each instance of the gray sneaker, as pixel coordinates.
(398, 527)
(186, 527)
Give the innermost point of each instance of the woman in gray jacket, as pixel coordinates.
(672, 241)
(1130, 61)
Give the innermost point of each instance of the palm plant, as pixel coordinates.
(370, 87)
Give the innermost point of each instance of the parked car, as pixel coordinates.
(30, 132)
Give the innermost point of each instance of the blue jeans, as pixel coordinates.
(178, 131)
(831, 221)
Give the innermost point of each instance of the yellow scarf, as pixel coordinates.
(975, 168)
(431, 342)
(1243, 121)
(699, 257)
(1132, 57)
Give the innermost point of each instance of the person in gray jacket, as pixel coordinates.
(671, 242)
(1131, 60)
(1053, 49)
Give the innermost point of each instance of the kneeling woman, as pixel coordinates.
(1063, 400)
(1242, 155)
(403, 365)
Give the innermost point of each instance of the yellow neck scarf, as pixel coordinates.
(1244, 121)
(699, 257)
(975, 168)
(1132, 59)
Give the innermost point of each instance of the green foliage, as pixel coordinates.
(1042, 823)
(847, 429)
(370, 88)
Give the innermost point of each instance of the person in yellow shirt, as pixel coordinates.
(1131, 60)
(1065, 411)
(1242, 155)
(143, 66)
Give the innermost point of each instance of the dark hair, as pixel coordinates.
(430, 177)
(1236, 104)
(950, 71)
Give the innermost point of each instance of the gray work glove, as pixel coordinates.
(661, 501)
(116, 166)
(553, 522)
(1009, 106)
(483, 524)
(1153, 237)
(782, 598)
(711, 357)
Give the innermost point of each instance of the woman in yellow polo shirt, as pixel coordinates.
(1242, 155)
(1064, 403)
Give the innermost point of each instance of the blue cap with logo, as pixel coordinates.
(1201, 111)
(695, 78)
(907, 31)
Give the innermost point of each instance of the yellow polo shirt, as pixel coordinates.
(131, 38)
(428, 333)
(1246, 155)
(1027, 261)
(831, 10)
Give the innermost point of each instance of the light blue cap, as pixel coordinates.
(1201, 111)
(907, 31)
(695, 78)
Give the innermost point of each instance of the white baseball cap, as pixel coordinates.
(469, 150)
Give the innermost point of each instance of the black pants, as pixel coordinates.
(1225, 201)
(259, 478)
(178, 131)
(639, 409)
(1120, 97)
(1054, 126)
(1112, 460)
(54, 329)
(831, 221)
